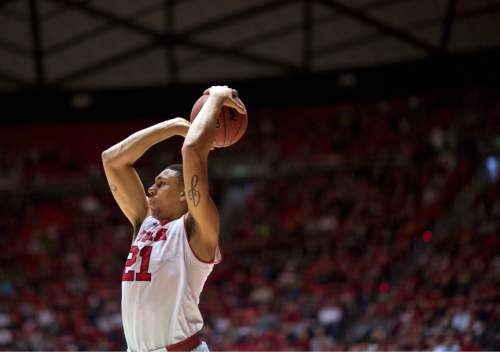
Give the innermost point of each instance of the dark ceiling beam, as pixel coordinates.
(9, 78)
(94, 32)
(144, 48)
(307, 34)
(385, 28)
(447, 25)
(280, 32)
(49, 15)
(14, 48)
(238, 54)
(285, 30)
(139, 28)
(36, 36)
(202, 56)
(105, 63)
(357, 41)
(161, 40)
(206, 26)
(103, 28)
(417, 25)
(234, 17)
(114, 19)
(170, 57)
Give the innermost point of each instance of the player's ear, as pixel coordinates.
(182, 196)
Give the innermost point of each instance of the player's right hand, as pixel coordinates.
(231, 97)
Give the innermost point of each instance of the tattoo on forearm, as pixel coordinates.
(113, 188)
(193, 193)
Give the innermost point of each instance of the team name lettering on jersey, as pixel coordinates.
(153, 235)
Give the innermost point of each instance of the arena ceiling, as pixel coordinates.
(79, 44)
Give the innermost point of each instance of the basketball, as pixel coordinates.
(229, 127)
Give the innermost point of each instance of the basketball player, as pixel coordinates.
(176, 231)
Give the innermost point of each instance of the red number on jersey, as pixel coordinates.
(143, 274)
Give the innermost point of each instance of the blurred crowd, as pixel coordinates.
(328, 235)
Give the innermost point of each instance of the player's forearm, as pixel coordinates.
(201, 134)
(133, 147)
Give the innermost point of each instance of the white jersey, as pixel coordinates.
(161, 286)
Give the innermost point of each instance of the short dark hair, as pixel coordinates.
(179, 171)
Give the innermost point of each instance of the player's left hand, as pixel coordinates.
(231, 97)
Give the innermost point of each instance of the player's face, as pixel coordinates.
(165, 191)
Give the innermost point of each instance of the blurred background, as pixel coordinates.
(360, 211)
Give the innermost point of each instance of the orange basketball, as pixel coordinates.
(229, 127)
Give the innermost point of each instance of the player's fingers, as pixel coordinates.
(237, 104)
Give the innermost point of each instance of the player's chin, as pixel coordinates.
(151, 202)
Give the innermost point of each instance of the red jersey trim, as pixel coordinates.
(214, 261)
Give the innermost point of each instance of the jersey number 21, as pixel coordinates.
(142, 275)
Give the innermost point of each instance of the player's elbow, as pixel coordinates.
(192, 149)
(107, 156)
(113, 158)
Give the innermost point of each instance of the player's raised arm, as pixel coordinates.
(203, 214)
(122, 177)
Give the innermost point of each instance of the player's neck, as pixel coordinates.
(166, 216)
